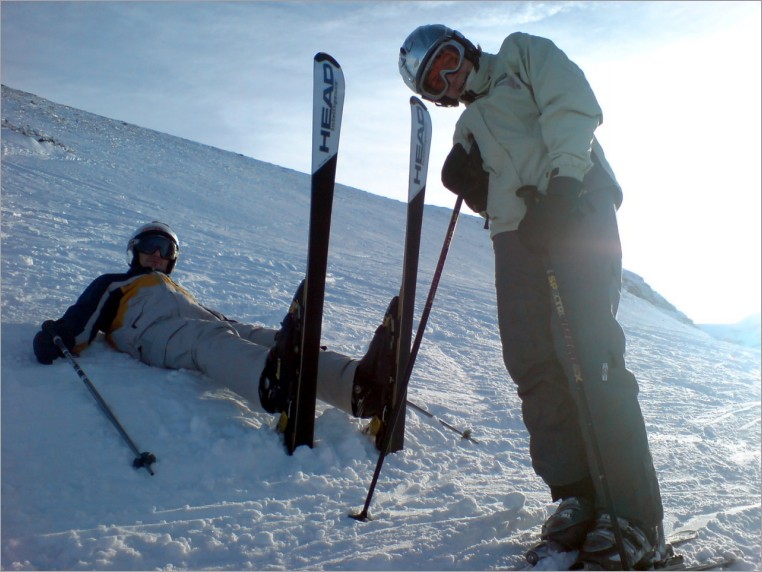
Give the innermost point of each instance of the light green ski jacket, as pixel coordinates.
(534, 114)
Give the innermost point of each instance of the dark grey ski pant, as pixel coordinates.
(588, 267)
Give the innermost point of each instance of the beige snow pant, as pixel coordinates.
(234, 354)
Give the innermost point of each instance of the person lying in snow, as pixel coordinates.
(146, 314)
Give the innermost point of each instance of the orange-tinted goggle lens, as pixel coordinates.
(447, 60)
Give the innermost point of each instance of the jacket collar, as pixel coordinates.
(478, 82)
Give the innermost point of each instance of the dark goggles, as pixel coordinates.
(150, 243)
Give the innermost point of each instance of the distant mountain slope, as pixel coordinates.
(635, 284)
(745, 333)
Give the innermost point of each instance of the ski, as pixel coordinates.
(420, 145)
(673, 561)
(682, 536)
(717, 564)
(677, 561)
(327, 108)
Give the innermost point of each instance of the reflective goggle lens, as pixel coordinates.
(149, 244)
(447, 59)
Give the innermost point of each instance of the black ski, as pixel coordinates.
(420, 145)
(327, 107)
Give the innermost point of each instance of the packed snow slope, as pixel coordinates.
(225, 495)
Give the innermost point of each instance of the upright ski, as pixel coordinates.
(327, 107)
(419, 157)
(420, 145)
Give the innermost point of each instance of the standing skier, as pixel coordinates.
(529, 126)
(144, 313)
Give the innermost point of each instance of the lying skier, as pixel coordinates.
(144, 313)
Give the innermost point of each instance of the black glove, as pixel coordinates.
(45, 348)
(550, 216)
(462, 173)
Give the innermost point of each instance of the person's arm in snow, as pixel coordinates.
(71, 326)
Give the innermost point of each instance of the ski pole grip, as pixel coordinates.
(49, 328)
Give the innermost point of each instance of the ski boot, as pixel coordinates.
(375, 378)
(644, 549)
(565, 530)
(281, 372)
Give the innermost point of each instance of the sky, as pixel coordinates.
(678, 82)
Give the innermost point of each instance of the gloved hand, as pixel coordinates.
(463, 174)
(549, 216)
(44, 348)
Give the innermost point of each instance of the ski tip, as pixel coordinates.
(323, 57)
(415, 101)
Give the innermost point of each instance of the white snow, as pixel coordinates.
(225, 495)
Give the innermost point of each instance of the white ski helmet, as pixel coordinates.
(421, 45)
(145, 231)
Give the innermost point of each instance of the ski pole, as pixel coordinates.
(402, 396)
(144, 459)
(587, 418)
(465, 434)
(529, 194)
